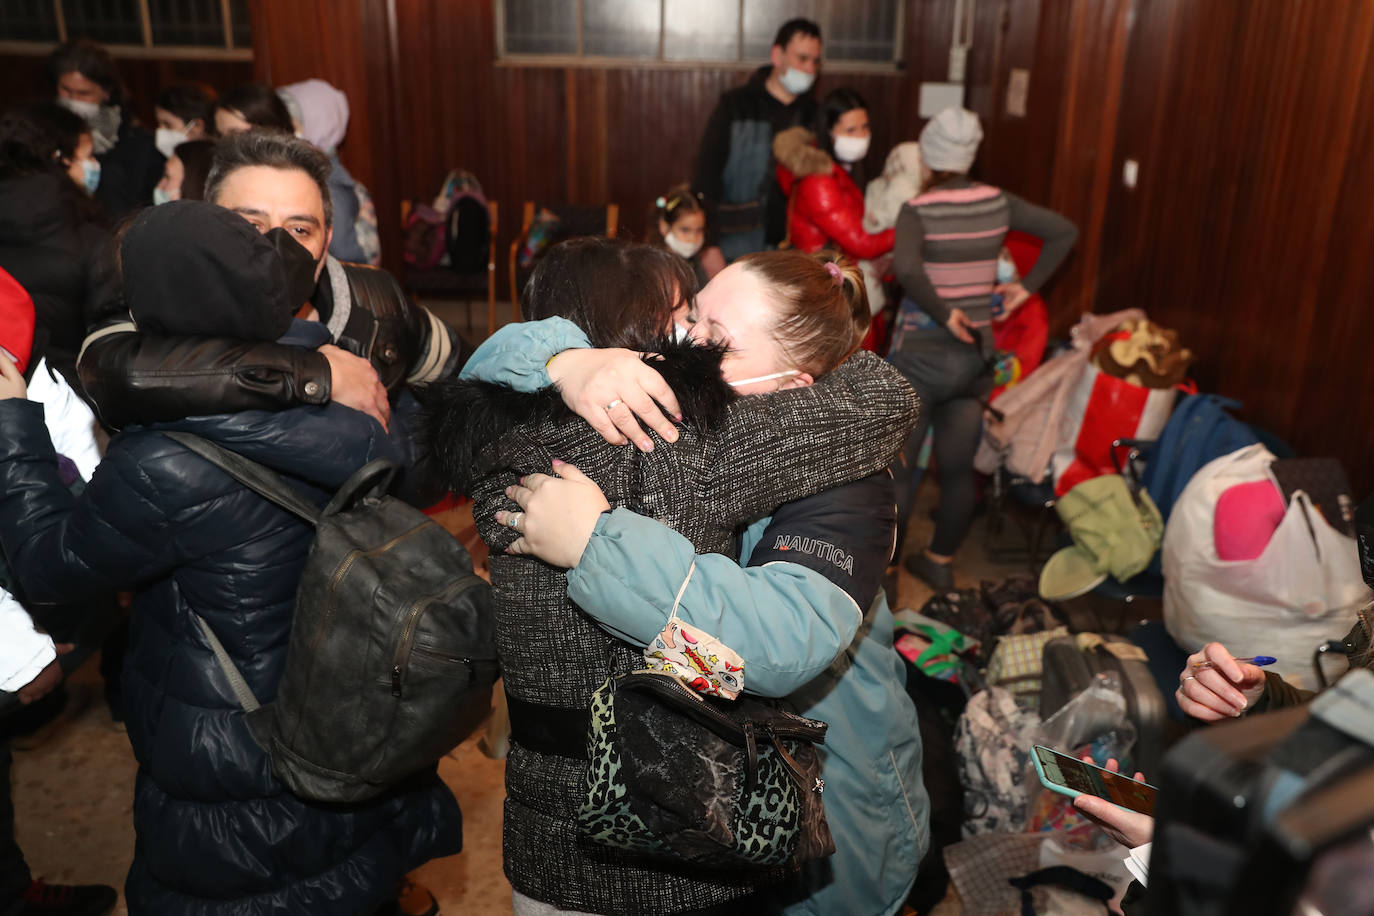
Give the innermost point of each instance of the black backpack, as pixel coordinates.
(392, 653)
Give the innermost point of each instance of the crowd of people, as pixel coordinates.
(706, 479)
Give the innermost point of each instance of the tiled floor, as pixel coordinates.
(73, 794)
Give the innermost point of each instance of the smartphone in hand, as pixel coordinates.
(1072, 777)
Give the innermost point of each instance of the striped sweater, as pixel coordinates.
(946, 252)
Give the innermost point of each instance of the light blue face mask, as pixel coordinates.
(90, 175)
(796, 81)
(161, 197)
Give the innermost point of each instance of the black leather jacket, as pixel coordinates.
(138, 378)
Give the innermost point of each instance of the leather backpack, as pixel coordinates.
(392, 653)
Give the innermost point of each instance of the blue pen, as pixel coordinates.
(1260, 660)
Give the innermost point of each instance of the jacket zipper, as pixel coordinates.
(403, 645)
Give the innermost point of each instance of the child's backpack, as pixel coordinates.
(392, 652)
(467, 233)
(454, 231)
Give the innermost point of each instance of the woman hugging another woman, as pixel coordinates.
(783, 325)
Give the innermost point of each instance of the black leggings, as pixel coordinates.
(949, 377)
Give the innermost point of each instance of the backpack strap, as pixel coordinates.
(252, 475)
(242, 692)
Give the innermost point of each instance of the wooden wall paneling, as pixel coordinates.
(1093, 74)
(1335, 414)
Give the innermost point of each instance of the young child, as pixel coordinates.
(680, 226)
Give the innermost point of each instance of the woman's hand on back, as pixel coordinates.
(960, 325)
(610, 388)
(11, 380)
(1223, 691)
(557, 517)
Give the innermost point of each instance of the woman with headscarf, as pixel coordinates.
(321, 115)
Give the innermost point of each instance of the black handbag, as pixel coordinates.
(715, 782)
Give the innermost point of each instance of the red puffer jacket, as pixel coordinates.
(827, 207)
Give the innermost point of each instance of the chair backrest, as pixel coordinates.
(567, 221)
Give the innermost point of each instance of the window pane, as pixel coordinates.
(541, 27)
(620, 28)
(106, 21)
(187, 22)
(243, 32)
(861, 30)
(701, 29)
(27, 20)
(763, 17)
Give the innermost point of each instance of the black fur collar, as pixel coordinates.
(463, 417)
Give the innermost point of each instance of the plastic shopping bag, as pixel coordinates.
(1303, 589)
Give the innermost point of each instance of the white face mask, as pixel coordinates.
(796, 81)
(765, 378)
(679, 247)
(167, 141)
(85, 110)
(851, 149)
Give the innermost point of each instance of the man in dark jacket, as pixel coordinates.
(746, 211)
(216, 832)
(380, 342)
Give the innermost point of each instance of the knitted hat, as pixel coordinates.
(16, 321)
(950, 140)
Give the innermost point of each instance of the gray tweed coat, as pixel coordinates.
(736, 461)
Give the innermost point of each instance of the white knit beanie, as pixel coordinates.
(950, 140)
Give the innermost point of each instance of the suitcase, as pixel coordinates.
(1253, 814)
(1069, 669)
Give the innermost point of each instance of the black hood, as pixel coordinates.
(191, 268)
(33, 207)
(467, 423)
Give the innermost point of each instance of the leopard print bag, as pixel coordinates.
(715, 782)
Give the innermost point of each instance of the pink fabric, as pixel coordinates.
(1246, 517)
(956, 195)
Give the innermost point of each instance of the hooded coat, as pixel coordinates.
(734, 462)
(215, 832)
(827, 207)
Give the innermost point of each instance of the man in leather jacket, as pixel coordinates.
(382, 342)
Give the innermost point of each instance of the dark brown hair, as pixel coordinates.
(259, 105)
(671, 207)
(622, 294)
(190, 102)
(196, 158)
(275, 150)
(90, 60)
(822, 310)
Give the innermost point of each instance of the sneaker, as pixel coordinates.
(939, 576)
(67, 899)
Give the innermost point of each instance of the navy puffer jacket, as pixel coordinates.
(216, 833)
